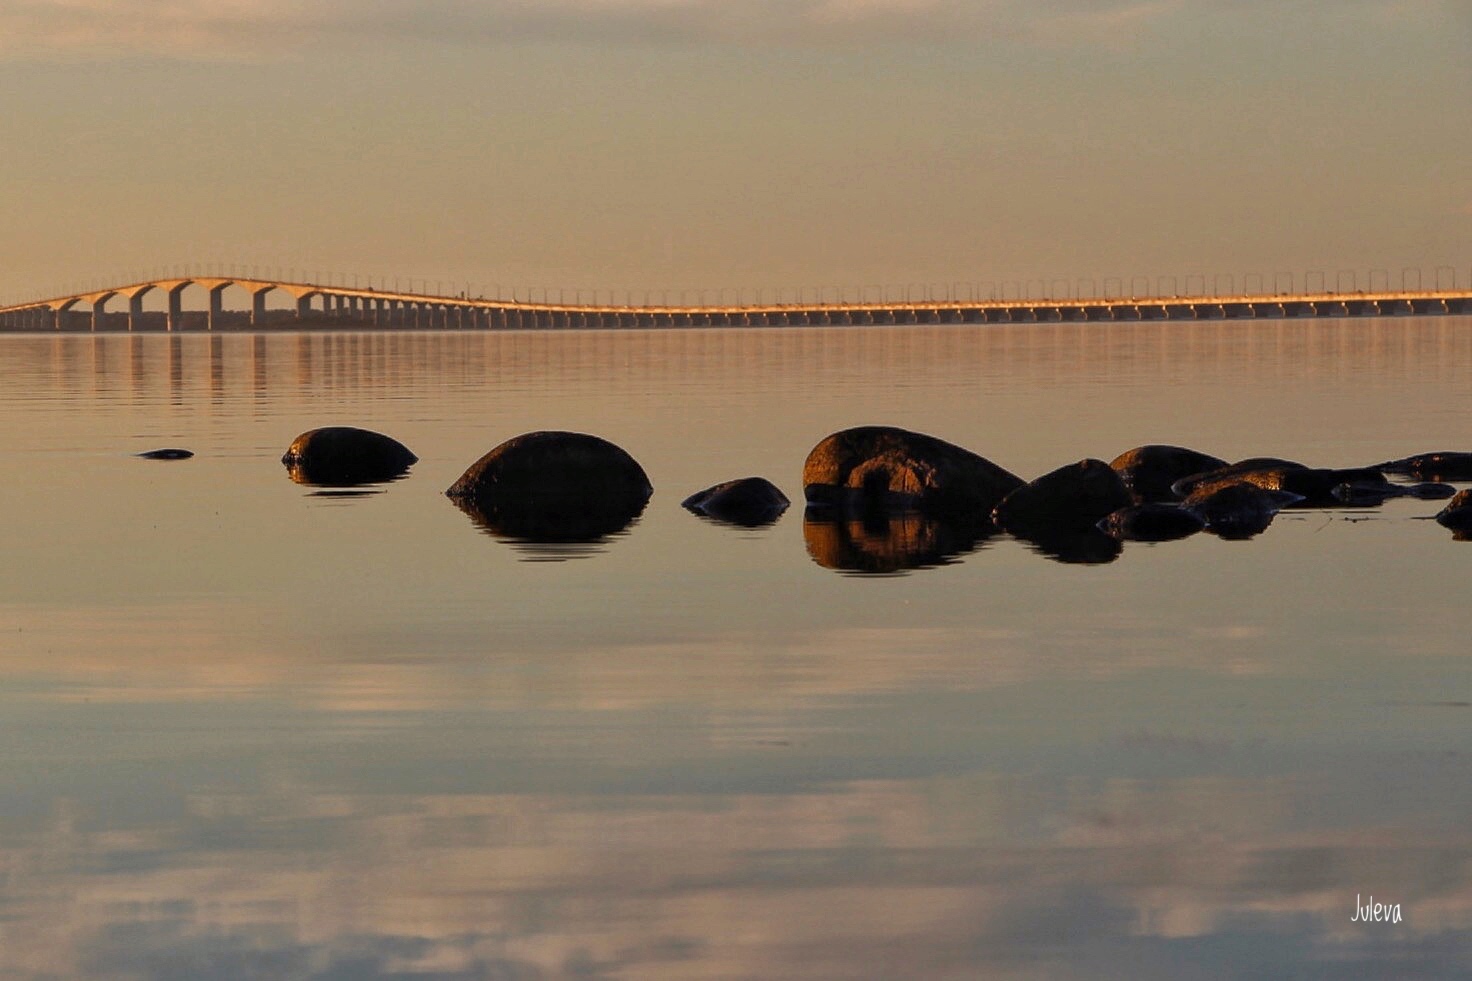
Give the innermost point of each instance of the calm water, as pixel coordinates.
(252, 731)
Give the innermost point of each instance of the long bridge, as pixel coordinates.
(319, 304)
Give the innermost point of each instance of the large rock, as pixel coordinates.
(1075, 497)
(1432, 466)
(343, 456)
(553, 486)
(750, 502)
(1149, 471)
(882, 468)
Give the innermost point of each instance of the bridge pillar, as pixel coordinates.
(217, 307)
(135, 311)
(303, 307)
(175, 320)
(258, 308)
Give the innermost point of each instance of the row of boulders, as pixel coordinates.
(1152, 492)
(873, 485)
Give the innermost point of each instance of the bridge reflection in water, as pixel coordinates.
(316, 304)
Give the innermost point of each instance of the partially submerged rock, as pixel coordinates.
(1149, 471)
(1457, 515)
(1315, 486)
(882, 468)
(1077, 496)
(554, 487)
(1153, 522)
(1432, 466)
(750, 502)
(1239, 510)
(1187, 485)
(1430, 491)
(344, 456)
(1357, 494)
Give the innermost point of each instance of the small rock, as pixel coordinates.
(750, 502)
(1431, 491)
(1239, 510)
(1457, 515)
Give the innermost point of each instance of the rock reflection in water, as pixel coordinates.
(346, 494)
(309, 476)
(887, 543)
(1072, 546)
(557, 522)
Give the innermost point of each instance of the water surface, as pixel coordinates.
(249, 730)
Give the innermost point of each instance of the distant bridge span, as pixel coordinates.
(320, 304)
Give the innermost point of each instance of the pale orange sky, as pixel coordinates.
(745, 144)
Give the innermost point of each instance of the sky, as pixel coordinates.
(637, 145)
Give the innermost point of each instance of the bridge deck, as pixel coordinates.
(367, 306)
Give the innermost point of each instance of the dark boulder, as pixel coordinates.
(167, 454)
(750, 502)
(1077, 496)
(342, 456)
(553, 487)
(1239, 510)
(881, 468)
(1457, 515)
(1432, 466)
(1149, 471)
(1153, 522)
